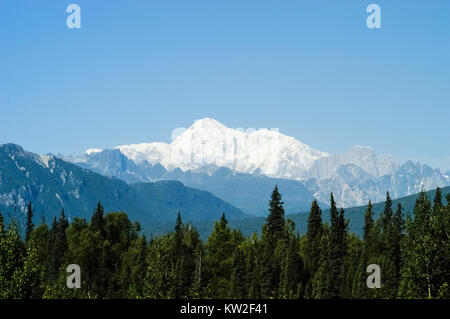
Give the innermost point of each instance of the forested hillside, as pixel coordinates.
(328, 261)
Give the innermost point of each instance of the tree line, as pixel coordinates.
(326, 262)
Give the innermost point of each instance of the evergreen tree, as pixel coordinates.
(57, 245)
(396, 240)
(336, 249)
(292, 271)
(192, 249)
(254, 268)
(386, 216)
(351, 265)
(274, 228)
(313, 239)
(437, 198)
(186, 240)
(321, 281)
(178, 240)
(98, 220)
(238, 275)
(218, 260)
(360, 287)
(368, 222)
(273, 231)
(440, 226)
(30, 225)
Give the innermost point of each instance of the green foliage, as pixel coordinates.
(313, 235)
(327, 262)
(12, 259)
(336, 250)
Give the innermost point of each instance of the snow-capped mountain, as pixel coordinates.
(355, 176)
(361, 156)
(210, 143)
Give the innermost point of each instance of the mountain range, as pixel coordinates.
(242, 167)
(52, 184)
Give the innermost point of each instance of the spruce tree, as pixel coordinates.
(336, 250)
(292, 271)
(178, 239)
(313, 238)
(360, 287)
(57, 245)
(274, 227)
(185, 245)
(437, 199)
(29, 227)
(273, 231)
(218, 260)
(368, 222)
(254, 268)
(386, 216)
(238, 275)
(322, 278)
(98, 220)
(440, 225)
(394, 237)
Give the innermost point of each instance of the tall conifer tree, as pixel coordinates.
(30, 225)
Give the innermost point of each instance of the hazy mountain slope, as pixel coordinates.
(52, 184)
(248, 192)
(354, 214)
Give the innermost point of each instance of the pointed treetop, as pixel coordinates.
(368, 221)
(438, 198)
(314, 220)
(275, 199)
(178, 223)
(223, 220)
(30, 226)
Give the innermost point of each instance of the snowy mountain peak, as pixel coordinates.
(93, 151)
(207, 146)
(209, 143)
(207, 124)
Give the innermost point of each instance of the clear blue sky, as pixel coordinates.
(138, 69)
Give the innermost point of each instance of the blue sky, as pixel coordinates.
(138, 69)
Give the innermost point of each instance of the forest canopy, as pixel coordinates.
(328, 261)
